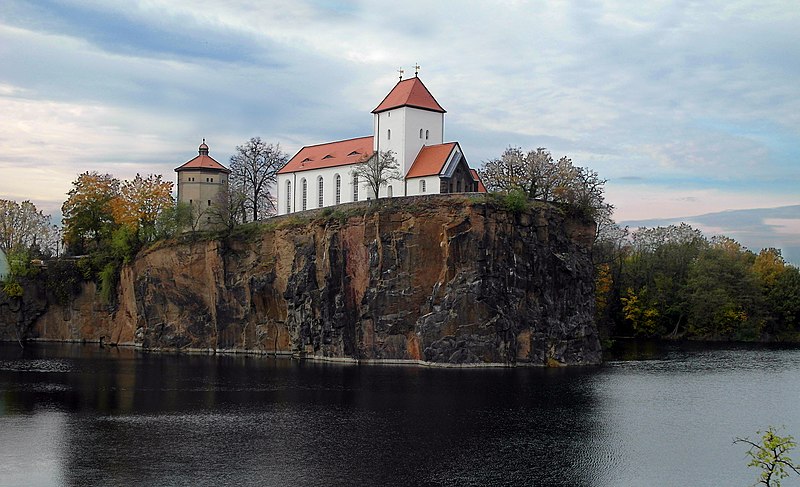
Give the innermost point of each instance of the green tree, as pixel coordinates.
(770, 454)
(88, 217)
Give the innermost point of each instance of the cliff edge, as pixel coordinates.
(440, 279)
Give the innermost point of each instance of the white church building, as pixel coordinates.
(409, 122)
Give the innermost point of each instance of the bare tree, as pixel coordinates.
(227, 210)
(254, 172)
(376, 170)
(22, 226)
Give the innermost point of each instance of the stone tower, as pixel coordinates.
(201, 180)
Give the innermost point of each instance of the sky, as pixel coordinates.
(686, 108)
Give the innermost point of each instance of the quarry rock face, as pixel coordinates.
(440, 280)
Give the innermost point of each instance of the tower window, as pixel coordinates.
(420, 133)
(209, 202)
(427, 133)
(389, 134)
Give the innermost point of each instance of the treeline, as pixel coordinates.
(672, 282)
(660, 282)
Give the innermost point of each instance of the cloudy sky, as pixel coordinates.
(687, 108)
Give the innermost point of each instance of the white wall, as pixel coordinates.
(431, 185)
(328, 175)
(405, 124)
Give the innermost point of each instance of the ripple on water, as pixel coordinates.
(36, 365)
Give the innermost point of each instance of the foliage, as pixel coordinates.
(537, 175)
(172, 220)
(770, 454)
(376, 170)
(12, 289)
(63, 280)
(515, 201)
(139, 204)
(673, 282)
(22, 226)
(87, 212)
(108, 277)
(254, 172)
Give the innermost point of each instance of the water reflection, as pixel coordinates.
(80, 415)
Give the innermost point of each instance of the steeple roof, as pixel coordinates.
(203, 162)
(412, 93)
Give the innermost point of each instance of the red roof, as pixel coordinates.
(203, 162)
(331, 154)
(431, 160)
(410, 92)
(477, 177)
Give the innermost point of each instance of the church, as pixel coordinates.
(409, 122)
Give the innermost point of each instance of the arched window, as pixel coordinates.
(420, 133)
(389, 191)
(305, 193)
(320, 186)
(355, 187)
(427, 133)
(389, 134)
(338, 183)
(288, 196)
(422, 186)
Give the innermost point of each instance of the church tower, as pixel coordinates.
(408, 119)
(201, 180)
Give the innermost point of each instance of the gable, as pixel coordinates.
(411, 93)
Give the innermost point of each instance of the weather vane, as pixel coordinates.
(401, 73)
(416, 70)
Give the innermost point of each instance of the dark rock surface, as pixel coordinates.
(440, 279)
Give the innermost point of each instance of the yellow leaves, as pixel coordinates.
(768, 266)
(643, 318)
(603, 285)
(141, 200)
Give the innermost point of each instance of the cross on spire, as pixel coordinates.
(416, 70)
(401, 73)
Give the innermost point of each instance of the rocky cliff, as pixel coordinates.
(440, 279)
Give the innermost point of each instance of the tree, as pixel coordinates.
(22, 226)
(87, 212)
(254, 172)
(139, 204)
(540, 177)
(771, 456)
(376, 170)
(228, 210)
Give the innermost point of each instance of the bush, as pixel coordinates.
(109, 277)
(515, 201)
(12, 289)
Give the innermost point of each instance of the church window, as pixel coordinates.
(427, 133)
(320, 186)
(355, 188)
(305, 194)
(389, 191)
(288, 196)
(389, 134)
(422, 186)
(338, 189)
(420, 133)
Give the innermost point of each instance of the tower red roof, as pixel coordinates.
(203, 162)
(412, 93)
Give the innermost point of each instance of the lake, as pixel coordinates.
(654, 415)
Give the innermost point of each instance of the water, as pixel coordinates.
(80, 415)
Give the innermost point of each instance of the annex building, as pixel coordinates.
(409, 122)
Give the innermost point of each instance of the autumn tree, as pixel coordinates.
(87, 212)
(139, 204)
(376, 170)
(22, 226)
(254, 173)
